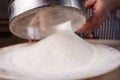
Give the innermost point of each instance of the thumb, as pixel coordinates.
(89, 4)
(100, 14)
(90, 25)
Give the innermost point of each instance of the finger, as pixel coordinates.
(99, 16)
(32, 40)
(93, 23)
(90, 25)
(89, 3)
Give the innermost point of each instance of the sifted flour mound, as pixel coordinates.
(61, 52)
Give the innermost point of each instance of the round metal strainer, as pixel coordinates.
(36, 19)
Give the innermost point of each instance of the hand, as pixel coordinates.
(101, 10)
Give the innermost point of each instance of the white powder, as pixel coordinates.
(61, 52)
(60, 56)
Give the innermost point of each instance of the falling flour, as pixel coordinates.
(58, 53)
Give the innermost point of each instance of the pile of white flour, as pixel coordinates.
(60, 52)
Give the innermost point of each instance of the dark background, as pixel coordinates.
(6, 37)
(3, 16)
